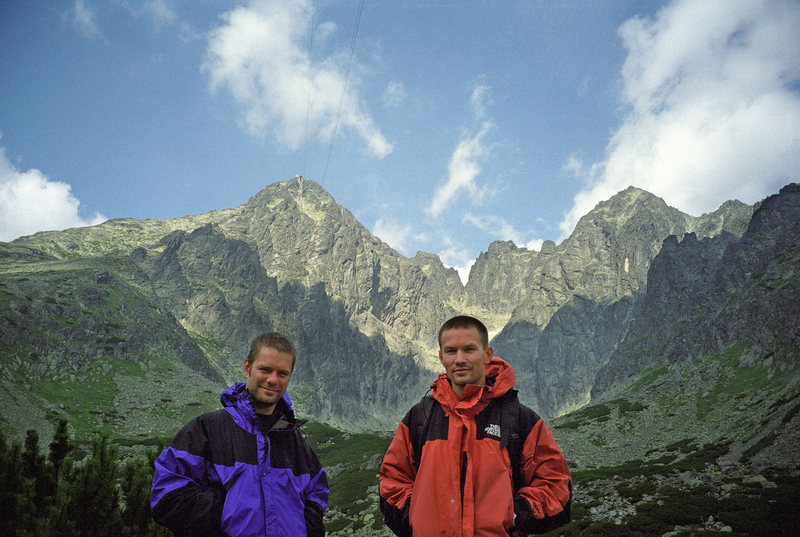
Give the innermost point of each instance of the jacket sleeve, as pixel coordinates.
(316, 501)
(544, 502)
(397, 476)
(181, 497)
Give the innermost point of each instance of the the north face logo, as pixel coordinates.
(493, 430)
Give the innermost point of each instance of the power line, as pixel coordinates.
(344, 87)
(308, 92)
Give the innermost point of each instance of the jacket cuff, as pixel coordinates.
(313, 514)
(526, 523)
(397, 519)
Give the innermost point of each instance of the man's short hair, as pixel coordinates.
(273, 340)
(465, 321)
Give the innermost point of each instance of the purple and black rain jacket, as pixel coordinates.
(221, 476)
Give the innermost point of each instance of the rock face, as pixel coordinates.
(582, 294)
(705, 295)
(196, 289)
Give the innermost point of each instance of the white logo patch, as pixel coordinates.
(493, 430)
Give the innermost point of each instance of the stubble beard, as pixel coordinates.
(259, 403)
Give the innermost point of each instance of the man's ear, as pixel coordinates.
(246, 369)
(489, 354)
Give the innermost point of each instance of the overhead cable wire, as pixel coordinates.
(344, 87)
(308, 90)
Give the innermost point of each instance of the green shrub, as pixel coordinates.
(636, 491)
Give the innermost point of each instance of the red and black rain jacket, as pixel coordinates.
(448, 471)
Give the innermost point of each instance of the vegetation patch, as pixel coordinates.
(735, 381)
(89, 401)
(350, 486)
(593, 413)
(765, 442)
(636, 491)
(733, 508)
(647, 377)
(626, 406)
(344, 448)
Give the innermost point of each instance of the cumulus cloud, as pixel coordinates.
(30, 202)
(712, 107)
(260, 53)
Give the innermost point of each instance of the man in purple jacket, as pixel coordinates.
(244, 470)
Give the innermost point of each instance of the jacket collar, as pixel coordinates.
(236, 400)
(500, 378)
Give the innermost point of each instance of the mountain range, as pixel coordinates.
(132, 326)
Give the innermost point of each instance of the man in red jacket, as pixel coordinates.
(469, 460)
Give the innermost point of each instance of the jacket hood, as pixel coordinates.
(500, 378)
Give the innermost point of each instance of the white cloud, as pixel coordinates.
(464, 167)
(161, 12)
(495, 226)
(30, 202)
(458, 258)
(260, 53)
(574, 166)
(83, 18)
(395, 235)
(500, 229)
(713, 110)
(534, 245)
(481, 99)
(394, 95)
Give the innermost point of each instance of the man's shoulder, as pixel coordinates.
(525, 410)
(421, 411)
(210, 419)
(424, 406)
(520, 415)
(214, 415)
(527, 419)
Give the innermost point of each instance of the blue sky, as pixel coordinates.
(460, 123)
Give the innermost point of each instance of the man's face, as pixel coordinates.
(267, 378)
(464, 357)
